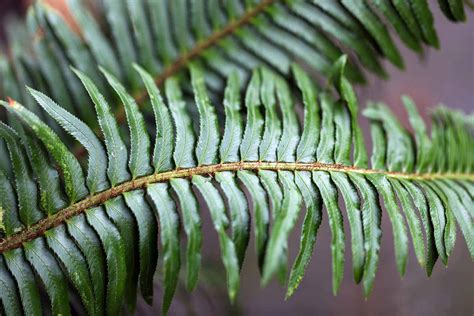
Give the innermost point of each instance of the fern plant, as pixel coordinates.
(93, 225)
(67, 225)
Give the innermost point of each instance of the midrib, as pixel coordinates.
(97, 199)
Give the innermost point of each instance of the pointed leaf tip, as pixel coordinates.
(11, 102)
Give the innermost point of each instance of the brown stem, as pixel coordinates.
(97, 199)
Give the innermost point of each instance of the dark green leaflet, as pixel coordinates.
(326, 144)
(115, 257)
(270, 182)
(425, 21)
(169, 221)
(89, 243)
(312, 220)
(290, 127)
(450, 227)
(354, 214)
(48, 270)
(438, 219)
(342, 125)
(260, 210)
(453, 9)
(208, 141)
(116, 149)
(139, 163)
(330, 198)
(8, 293)
(25, 279)
(413, 221)
(272, 129)
(70, 256)
(419, 199)
(192, 227)
(229, 148)
(185, 140)
(147, 235)
(254, 125)
(19, 35)
(385, 189)
(342, 152)
(60, 57)
(379, 143)
(264, 49)
(307, 146)
(164, 128)
(239, 213)
(8, 85)
(371, 221)
(217, 210)
(283, 225)
(127, 227)
(9, 221)
(286, 40)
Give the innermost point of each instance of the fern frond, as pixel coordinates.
(97, 229)
(165, 37)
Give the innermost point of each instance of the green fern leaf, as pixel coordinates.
(103, 241)
(11, 302)
(21, 271)
(169, 238)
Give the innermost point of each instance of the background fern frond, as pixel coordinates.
(97, 228)
(166, 37)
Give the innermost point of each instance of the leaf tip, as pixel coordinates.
(73, 69)
(290, 292)
(264, 281)
(11, 102)
(108, 75)
(137, 67)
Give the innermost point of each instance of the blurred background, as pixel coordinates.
(441, 76)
